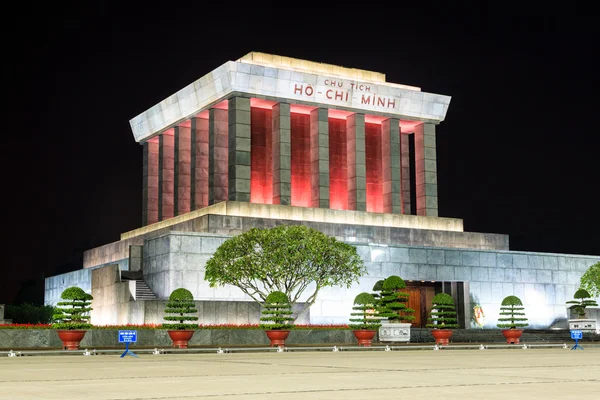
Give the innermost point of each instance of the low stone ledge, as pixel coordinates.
(22, 339)
(19, 339)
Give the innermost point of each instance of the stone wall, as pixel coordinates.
(28, 339)
(543, 281)
(112, 298)
(110, 253)
(234, 225)
(82, 278)
(113, 304)
(2, 320)
(20, 339)
(55, 285)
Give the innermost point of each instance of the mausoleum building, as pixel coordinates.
(268, 140)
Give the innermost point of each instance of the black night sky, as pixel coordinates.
(517, 153)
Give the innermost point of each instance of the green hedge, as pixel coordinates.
(29, 314)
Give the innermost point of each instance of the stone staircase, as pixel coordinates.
(142, 291)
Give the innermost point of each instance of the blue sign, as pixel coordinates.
(576, 334)
(127, 336)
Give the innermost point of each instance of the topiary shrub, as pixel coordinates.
(443, 314)
(377, 290)
(392, 302)
(584, 300)
(277, 313)
(179, 308)
(73, 312)
(366, 314)
(511, 313)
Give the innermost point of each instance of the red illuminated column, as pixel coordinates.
(426, 170)
(357, 172)
(150, 182)
(405, 173)
(239, 159)
(282, 153)
(166, 167)
(390, 157)
(199, 164)
(217, 155)
(319, 157)
(183, 173)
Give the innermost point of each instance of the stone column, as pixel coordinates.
(405, 173)
(217, 155)
(319, 157)
(166, 162)
(239, 149)
(426, 170)
(199, 164)
(282, 154)
(356, 157)
(183, 173)
(390, 155)
(150, 182)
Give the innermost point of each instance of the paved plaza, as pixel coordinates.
(415, 374)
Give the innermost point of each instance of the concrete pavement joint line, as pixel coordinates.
(363, 371)
(352, 389)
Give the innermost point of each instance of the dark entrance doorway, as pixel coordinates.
(421, 294)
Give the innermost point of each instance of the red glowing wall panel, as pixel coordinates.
(338, 170)
(183, 173)
(261, 159)
(150, 188)
(374, 167)
(300, 168)
(166, 177)
(199, 161)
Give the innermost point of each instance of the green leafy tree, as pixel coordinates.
(512, 315)
(443, 313)
(365, 313)
(288, 259)
(180, 308)
(583, 301)
(73, 312)
(393, 303)
(590, 280)
(277, 313)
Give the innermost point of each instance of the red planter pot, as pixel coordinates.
(71, 338)
(277, 337)
(181, 338)
(512, 335)
(364, 336)
(442, 336)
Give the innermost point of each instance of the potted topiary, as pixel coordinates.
(72, 317)
(277, 317)
(442, 318)
(392, 305)
(512, 317)
(365, 319)
(578, 306)
(377, 290)
(180, 308)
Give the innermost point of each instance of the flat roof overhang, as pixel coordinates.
(265, 78)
